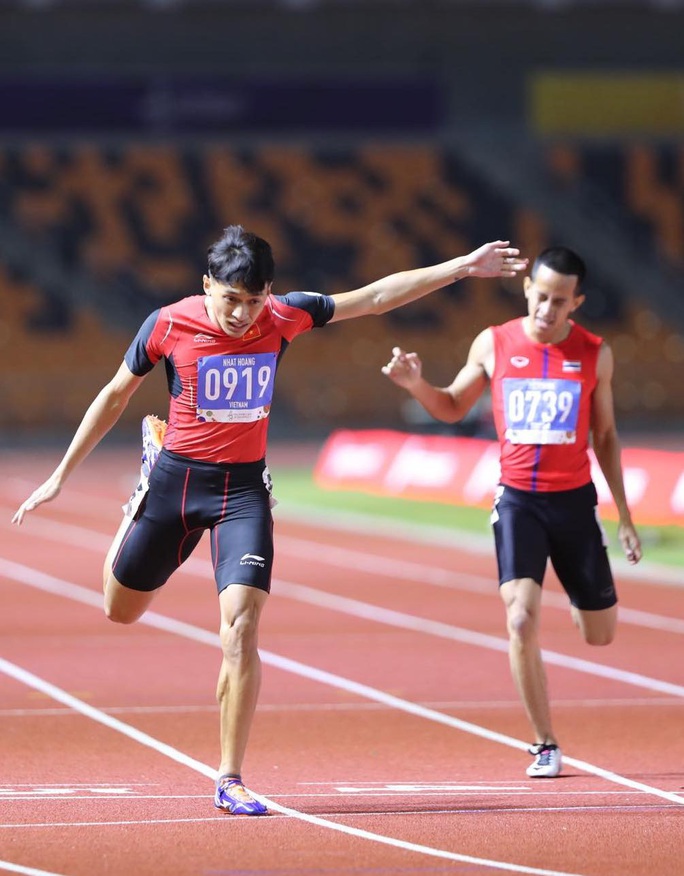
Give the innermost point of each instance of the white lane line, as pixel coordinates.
(98, 824)
(67, 589)
(474, 543)
(56, 693)
(340, 791)
(452, 705)
(61, 696)
(450, 579)
(35, 578)
(404, 621)
(27, 871)
(440, 718)
(470, 810)
(361, 561)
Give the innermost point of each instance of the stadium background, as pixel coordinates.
(359, 138)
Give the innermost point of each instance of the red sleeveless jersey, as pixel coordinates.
(221, 388)
(541, 400)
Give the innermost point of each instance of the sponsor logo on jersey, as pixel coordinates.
(203, 339)
(519, 361)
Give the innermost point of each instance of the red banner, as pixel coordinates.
(465, 471)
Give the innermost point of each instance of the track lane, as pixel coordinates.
(344, 741)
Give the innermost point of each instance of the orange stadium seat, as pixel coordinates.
(139, 217)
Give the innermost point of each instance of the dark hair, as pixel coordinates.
(563, 261)
(241, 257)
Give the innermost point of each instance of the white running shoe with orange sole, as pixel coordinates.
(153, 431)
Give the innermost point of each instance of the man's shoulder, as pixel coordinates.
(291, 306)
(191, 305)
(509, 328)
(178, 319)
(297, 299)
(586, 336)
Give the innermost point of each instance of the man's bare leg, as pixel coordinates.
(237, 692)
(596, 627)
(122, 604)
(240, 674)
(522, 598)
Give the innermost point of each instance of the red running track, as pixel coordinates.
(388, 738)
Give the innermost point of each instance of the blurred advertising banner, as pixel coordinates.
(593, 102)
(229, 106)
(465, 471)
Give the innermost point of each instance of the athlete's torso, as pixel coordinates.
(221, 388)
(541, 399)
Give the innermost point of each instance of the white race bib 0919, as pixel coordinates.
(235, 388)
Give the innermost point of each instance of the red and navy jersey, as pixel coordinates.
(221, 388)
(541, 400)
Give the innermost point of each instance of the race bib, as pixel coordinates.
(542, 411)
(235, 389)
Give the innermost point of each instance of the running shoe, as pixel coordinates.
(153, 430)
(232, 796)
(547, 761)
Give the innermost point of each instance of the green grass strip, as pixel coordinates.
(296, 487)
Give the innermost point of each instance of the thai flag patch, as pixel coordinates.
(572, 367)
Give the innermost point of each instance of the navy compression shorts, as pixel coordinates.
(532, 528)
(185, 498)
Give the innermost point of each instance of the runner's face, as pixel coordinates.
(550, 301)
(232, 307)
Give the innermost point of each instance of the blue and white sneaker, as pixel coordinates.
(547, 762)
(153, 430)
(232, 796)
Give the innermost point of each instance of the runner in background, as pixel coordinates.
(551, 387)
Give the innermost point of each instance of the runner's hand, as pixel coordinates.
(46, 492)
(496, 259)
(404, 369)
(630, 542)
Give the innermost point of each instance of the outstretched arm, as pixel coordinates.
(496, 259)
(608, 452)
(450, 403)
(102, 414)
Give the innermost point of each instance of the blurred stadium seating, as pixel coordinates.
(647, 178)
(138, 217)
(347, 134)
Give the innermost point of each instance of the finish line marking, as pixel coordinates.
(56, 693)
(50, 584)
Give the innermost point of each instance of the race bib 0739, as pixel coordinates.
(235, 389)
(542, 411)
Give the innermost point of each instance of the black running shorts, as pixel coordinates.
(185, 498)
(532, 528)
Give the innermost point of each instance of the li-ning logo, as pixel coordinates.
(252, 560)
(520, 361)
(203, 339)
